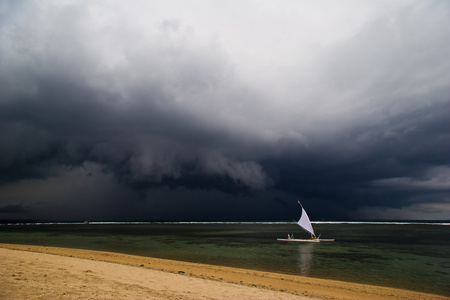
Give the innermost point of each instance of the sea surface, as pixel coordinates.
(404, 255)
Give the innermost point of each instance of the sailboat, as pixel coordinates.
(306, 225)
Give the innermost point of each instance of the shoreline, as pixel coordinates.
(228, 279)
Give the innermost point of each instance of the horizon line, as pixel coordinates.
(386, 222)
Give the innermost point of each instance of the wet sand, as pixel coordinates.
(35, 272)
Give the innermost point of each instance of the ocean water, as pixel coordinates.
(410, 256)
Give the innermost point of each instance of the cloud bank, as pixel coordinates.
(222, 104)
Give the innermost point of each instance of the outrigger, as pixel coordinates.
(305, 224)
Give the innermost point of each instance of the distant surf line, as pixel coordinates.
(230, 222)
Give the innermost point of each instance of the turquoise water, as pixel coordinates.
(410, 256)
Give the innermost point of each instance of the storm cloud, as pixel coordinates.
(224, 111)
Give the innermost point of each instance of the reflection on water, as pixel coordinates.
(305, 257)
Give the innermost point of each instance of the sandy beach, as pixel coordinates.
(36, 272)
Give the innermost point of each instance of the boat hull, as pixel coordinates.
(306, 240)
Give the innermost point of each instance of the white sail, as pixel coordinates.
(305, 223)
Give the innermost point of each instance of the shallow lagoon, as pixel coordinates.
(410, 256)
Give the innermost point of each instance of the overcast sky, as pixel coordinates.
(224, 110)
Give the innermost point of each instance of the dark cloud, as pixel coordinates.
(157, 113)
(13, 209)
(133, 119)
